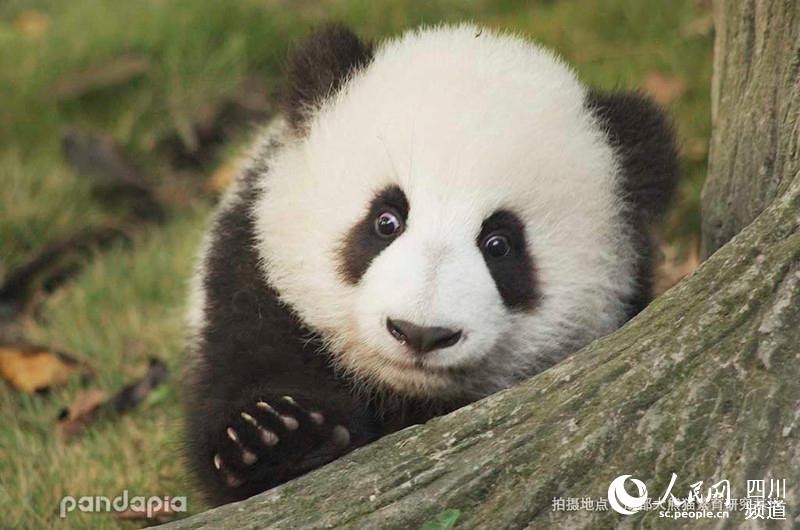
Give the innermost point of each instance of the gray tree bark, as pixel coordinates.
(755, 101)
(704, 383)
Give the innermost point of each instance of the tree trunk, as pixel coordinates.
(755, 101)
(704, 383)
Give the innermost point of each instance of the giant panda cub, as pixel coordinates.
(441, 215)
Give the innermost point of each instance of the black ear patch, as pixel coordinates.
(644, 140)
(317, 68)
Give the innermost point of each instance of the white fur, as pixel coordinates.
(465, 123)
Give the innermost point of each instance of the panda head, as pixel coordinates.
(452, 210)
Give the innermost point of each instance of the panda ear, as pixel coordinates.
(318, 66)
(644, 141)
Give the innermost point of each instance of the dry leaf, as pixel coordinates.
(30, 368)
(221, 178)
(32, 24)
(662, 88)
(74, 419)
(117, 71)
(86, 407)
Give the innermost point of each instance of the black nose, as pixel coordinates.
(422, 339)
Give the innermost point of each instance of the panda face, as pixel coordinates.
(437, 284)
(450, 218)
(424, 296)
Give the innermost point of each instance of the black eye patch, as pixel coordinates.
(512, 268)
(366, 239)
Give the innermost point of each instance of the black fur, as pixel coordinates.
(514, 274)
(362, 243)
(252, 347)
(644, 140)
(318, 67)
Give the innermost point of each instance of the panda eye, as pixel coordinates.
(496, 245)
(388, 224)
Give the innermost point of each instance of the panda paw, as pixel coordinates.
(271, 440)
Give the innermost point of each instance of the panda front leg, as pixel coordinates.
(268, 439)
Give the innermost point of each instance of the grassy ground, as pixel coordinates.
(126, 304)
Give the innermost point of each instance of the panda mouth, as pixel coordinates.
(409, 364)
(419, 365)
(419, 378)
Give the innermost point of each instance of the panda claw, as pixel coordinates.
(230, 480)
(317, 417)
(340, 436)
(232, 435)
(248, 457)
(290, 423)
(263, 405)
(254, 426)
(268, 437)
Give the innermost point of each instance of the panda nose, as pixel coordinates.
(421, 338)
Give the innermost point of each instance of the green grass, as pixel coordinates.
(125, 308)
(127, 303)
